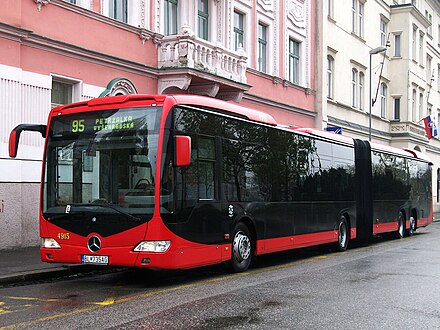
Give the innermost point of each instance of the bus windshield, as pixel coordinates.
(102, 158)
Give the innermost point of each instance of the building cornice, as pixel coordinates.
(277, 80)
(143, 33)
(281, 106)
(30, 39)
(409, 8)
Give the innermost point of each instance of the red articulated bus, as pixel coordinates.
(183, 181)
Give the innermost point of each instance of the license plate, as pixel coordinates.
(99, 260)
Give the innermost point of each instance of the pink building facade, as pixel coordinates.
(259, 53)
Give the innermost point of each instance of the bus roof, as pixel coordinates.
(190, 100)
(250, 114)
(326, 135)
(419, 155)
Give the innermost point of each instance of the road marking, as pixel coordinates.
(112, 301)
(115, 301)
(4, 310)
(35, 299)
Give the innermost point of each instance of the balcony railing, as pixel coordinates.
(407, 127)
(186, 51)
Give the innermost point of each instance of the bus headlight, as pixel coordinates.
(49, 243)
(153, 246)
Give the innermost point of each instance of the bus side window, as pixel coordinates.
(206, 168)
(197, 181)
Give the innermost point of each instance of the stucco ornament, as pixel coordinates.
(296, 13)
(41, 3)
(119, 86)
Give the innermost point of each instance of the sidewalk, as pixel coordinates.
(24, 264)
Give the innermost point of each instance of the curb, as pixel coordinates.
(44, 274)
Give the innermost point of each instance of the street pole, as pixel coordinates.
(370, 100)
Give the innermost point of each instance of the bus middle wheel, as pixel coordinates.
(242, 248)
(343, 234)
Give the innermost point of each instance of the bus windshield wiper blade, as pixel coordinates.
(65, 215)
(109, 206)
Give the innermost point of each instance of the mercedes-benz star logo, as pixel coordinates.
(94, 244)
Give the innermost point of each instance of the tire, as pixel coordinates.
(242, 248)
(343, 234)
(412, 226)
(400, 225)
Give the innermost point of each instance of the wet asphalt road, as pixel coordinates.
(390, 284)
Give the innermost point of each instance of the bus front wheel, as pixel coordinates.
(242, 248)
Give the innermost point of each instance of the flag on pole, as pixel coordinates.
(430, 126)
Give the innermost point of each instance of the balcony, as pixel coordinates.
(407, 129)
(191, 64)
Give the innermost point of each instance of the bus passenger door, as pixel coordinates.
(198, 208)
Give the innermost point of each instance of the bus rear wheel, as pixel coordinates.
(242, 248)
(343, 234)
(412, 226)
(401, 225)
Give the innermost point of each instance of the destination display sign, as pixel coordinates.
(127, 119)
(100, 124)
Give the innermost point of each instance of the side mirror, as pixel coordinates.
(182, 150)
(14, 137)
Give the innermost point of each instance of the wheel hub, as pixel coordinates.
(342, 235)
(241, 247)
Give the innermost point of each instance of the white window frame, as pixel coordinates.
(383, 100)
(396, 100)
(354, 88)
(428, 69)
(168, 29)
(238, 31)
(262, 67)
(125, 18)
(204, 16)
(414, 43)
(357, 17)
(413, 105)
(248, 41)
(330, 12)
(428, 16)
(397, 49)
(383, 31)
(438, 78)
(76, 85)
(295, 76)
(330, 76)
(361, 89)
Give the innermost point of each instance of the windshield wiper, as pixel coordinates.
(65, 215)
(103, 205)
(109, 206)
